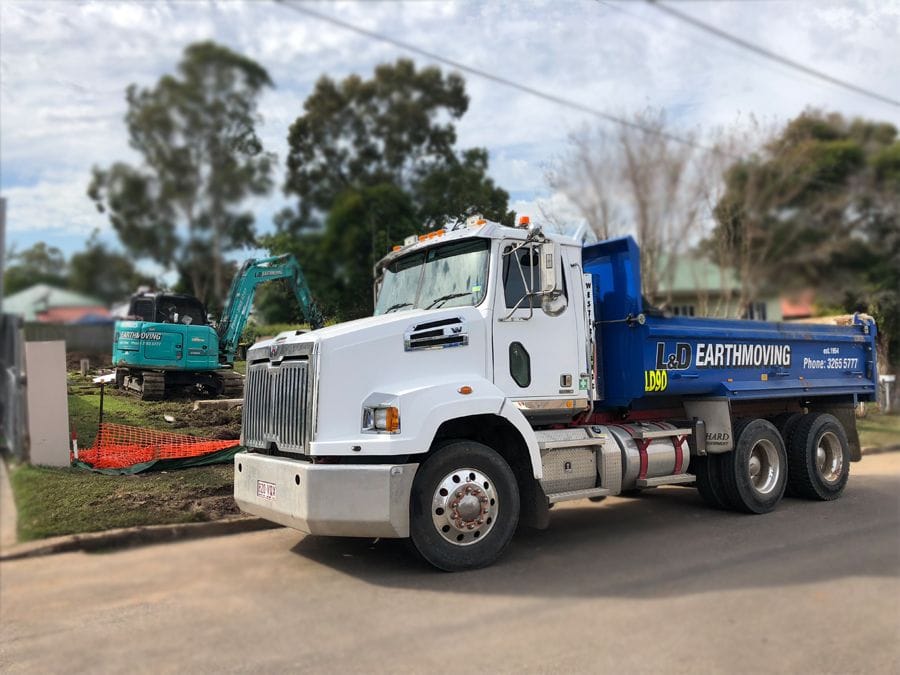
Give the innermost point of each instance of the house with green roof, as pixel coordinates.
(699, 287)
(49, 304)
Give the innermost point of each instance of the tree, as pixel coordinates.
(40, 264)
(383, 148)
(396, 128)
(103, 273)
(339, 259)
(818, 205)
(637, 176)
(196, 134)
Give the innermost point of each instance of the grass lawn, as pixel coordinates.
(879, 430)
(54, 501)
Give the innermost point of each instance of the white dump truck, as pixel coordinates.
(507, 369)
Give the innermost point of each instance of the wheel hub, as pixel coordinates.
(829, 457)
(464, 506)
(764, 467)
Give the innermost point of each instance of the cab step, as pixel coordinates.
(578, 494)
(678, 479)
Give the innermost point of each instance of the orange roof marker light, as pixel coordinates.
(524, 221)
(397, 248)
(475, 221)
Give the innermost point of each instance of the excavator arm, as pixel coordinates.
(243, 289)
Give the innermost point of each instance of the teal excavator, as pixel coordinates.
(168, 344)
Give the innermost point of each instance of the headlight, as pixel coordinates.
(382, 418)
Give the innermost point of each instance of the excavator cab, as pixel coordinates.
(168, 308)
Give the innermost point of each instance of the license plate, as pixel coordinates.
(265, 490)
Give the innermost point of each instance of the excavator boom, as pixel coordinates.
(253, 273)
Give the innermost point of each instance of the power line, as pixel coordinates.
(770, 55)
(499, 79)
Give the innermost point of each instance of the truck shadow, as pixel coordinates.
(664, 543)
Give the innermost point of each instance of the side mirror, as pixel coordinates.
(550, 274)
(552, 300)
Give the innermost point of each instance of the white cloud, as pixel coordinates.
(57, 204)
(64, 68)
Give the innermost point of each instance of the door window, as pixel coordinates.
(521, 275)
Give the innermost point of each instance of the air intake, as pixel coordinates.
(436, 335)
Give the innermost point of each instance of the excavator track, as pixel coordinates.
(153, 386)
(232, 384)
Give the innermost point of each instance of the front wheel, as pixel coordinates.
(464, 507)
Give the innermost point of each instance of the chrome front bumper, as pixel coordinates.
(345, 500)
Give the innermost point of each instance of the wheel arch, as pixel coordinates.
(501, 435)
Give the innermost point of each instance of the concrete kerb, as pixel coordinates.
(136, 536)
(878, 449)
(9, 516)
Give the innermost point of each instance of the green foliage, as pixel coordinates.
(196, 134)
(40, 264)
(819, 206)
(338, 260)
(370, 162)
(103, 273)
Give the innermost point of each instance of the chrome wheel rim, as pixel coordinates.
(464, 506)
(829, 457)
(764, 466)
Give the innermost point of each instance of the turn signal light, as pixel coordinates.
(465, 390)
(391, 419)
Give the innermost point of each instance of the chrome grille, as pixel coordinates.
(276, 404)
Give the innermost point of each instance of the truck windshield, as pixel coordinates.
(452, 275)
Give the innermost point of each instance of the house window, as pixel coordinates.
(756, 311)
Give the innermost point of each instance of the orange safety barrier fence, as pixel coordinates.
(118, 446)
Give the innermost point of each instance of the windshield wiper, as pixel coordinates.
(397, 306)
(445, 298)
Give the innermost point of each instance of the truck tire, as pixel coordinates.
(785, 423)
(464, 507)
(705, 468)
(818, 457)
(753, 475)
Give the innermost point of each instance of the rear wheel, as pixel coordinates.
(818, 457)
(754, 474)
(785, 423)
(464, 507)
(705, 468)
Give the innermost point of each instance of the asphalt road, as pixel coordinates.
(657, 583)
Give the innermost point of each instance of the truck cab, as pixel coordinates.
(485, 388)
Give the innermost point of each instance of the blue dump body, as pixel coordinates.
(646, 358)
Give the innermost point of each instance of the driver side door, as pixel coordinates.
(537, 357)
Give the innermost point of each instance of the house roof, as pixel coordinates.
(42, 297)
(693, 273)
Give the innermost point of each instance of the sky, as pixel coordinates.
(64, 68)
